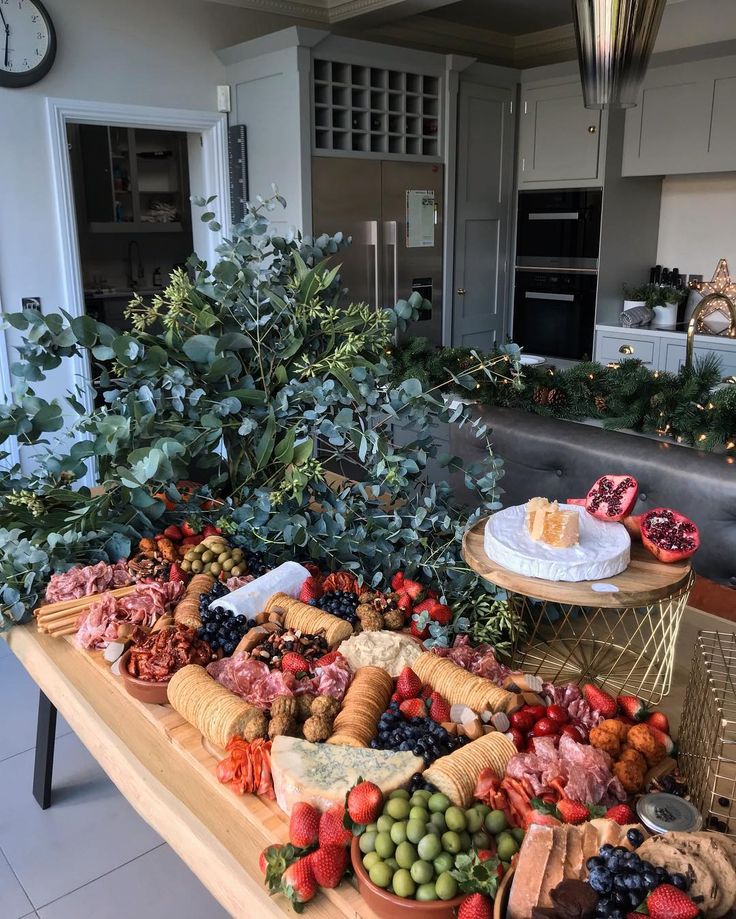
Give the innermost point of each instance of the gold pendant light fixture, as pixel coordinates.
(615, 39)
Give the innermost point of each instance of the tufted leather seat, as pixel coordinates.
(561, 459)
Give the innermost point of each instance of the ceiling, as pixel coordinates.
(513, 17)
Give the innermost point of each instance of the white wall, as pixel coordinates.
(697, 224)
(143, 52)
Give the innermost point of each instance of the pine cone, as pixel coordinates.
(601, 404)
(541, 395)
(556, 398)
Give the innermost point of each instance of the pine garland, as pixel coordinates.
(683, 407)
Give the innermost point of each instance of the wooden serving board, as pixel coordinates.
(157, 761)
(645, 581)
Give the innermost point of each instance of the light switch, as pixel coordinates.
(223, 98)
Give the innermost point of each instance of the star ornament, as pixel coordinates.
(716, 316)
(721, 282)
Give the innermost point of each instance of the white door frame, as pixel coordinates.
(212, 127)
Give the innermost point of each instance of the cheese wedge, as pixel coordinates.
(536, 852)
(322, 774)
(555, 870)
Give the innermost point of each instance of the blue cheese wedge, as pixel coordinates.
(322, 774)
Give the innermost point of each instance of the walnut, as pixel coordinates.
(256, 727)
(284, 706)
(304, 703)
(317, 729)
(148, 547)
(325, 707)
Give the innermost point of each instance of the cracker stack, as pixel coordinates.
(186, 611)
(459, 687)
(217, 713)
(364, 703)
(457, 773)
(309, 619)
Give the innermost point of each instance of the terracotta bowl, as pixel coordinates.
(387, 904)
(143, 690)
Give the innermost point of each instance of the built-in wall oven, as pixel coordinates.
(559, 229)
(557, 241)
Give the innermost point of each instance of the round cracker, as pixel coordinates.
(703, 886)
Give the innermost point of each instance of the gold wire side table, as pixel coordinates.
(707, 740)
(623, 640)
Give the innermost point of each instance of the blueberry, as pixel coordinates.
(661, 874)
(635, 837)
(600, 880)
(668, 784)
(616, 914)
(607, 849)
(679, 880)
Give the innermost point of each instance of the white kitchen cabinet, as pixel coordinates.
(672, 355)
(620, 345)
(685, 120)
(560, 141)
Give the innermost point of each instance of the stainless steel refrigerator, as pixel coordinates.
(394, 213)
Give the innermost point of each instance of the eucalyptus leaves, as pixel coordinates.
(258, 380)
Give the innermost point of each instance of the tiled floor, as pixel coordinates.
(90, 855)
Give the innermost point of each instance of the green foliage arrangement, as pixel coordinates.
(686, 406)
(257, 380)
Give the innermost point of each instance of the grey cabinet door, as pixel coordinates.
(560, 140)
(482, 215)
(722, 137)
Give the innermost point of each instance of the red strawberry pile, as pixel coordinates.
(419, 603)
(532, 721)
(631, 710)
(419, 700)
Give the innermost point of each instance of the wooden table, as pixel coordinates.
(157, 761)
(623, 637)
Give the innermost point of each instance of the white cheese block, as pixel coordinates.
(604, 549)
(322, 774)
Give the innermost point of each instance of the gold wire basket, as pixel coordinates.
(707, 738)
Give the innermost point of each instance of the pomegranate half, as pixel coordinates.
(612, 497)
(669, 536)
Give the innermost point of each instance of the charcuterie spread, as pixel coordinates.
(430, 763)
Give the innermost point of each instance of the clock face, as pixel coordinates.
(27, 42)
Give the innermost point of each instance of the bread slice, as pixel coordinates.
(555, 870)
(530, 871)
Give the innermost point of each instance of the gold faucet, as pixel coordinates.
(693, 324)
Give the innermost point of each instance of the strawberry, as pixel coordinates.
(476, 906)
(297, 882)
(485, 854)
(413, 589)
(293, 662)
(176, 573)
(417, 632)
(408, 685)
(632, 707)
(413, 708)
(311, 590)
(441, 613)
(329, 864)
(439, 709)
(664, 739)
(304, 825)
(263, 857)
(660, 721)
(192, 540)
(327, 659)
(669, 902)
(211, 530)
(396, 698)
(405, 603)
(397, 581)
(621, 813)
(572, 812)
(173, 533)
(599, 700)
(190, 527)
(332, 830)
(426, 691)
(425, 606)
(364, 803)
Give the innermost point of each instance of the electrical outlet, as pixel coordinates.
(31, 303)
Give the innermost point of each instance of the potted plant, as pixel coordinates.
(665, 308)
(638, 295)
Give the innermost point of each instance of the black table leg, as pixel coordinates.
(43, 767)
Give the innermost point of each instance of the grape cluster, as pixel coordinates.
(342, 603)
(255, 564)
(419, 783)
(220, 628)
(623, 880)
(422, 736)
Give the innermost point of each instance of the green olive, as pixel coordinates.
(236, 572)
(197, 566)
(228, 564)
(200, 548)
(237, 554)
(190, 556)
(215, 568)
(208, 556)
(186, 564)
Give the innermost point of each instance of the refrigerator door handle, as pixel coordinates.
(373, 241)
(392, 239)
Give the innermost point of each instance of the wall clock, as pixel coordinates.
(27, 43)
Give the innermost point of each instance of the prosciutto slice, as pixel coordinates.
(83, 582)
(100, 625)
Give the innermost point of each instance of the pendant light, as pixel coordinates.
(615, 39)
